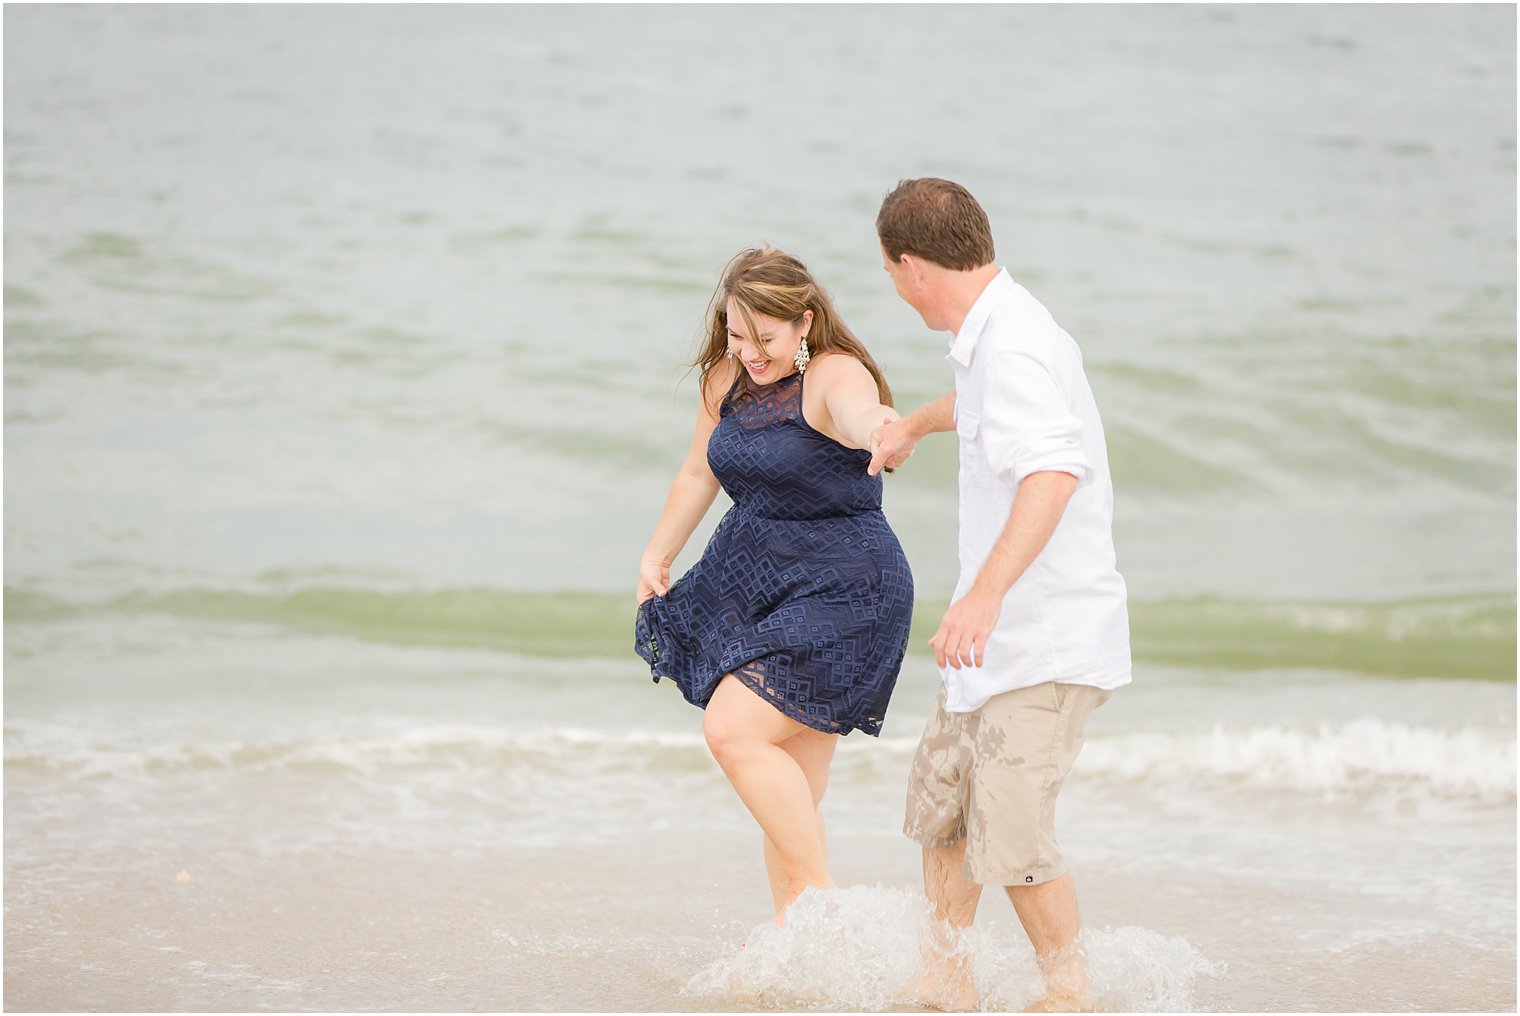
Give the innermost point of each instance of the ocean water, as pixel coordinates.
(344, 357)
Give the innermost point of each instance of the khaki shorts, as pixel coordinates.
(992, 776)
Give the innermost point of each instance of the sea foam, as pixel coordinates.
(858, 948)
(1362, 756)
(1366, 756)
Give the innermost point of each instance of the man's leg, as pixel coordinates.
(944, 977)
(945, 884)
(1048, 912)
(1027, 742)
(936, 820)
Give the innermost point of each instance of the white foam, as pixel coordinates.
(858, 947)
(1363, 755)
(60, 746)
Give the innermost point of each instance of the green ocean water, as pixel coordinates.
(433, 323)
(1468, 638)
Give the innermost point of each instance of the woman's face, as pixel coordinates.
(770, 355)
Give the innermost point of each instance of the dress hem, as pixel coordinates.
(757, 686)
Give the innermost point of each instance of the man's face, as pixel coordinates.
(903, 281)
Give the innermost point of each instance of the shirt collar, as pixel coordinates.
(964, 343)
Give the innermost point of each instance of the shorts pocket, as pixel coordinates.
(1059, 694)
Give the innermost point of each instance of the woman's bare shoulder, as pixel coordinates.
(717, 383)
(835, 365)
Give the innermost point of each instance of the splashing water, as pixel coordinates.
(1135, 970)
(855, 946)
(858, 948)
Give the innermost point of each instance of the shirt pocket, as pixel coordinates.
(967, 423)
(968, 429)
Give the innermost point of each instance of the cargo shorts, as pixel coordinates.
(991, 777)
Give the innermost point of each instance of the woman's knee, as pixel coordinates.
(725, 736)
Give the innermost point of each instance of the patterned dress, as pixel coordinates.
(803, 592)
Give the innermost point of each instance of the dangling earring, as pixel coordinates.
(802, 357)
(730, 354)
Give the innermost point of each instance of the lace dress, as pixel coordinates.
(803, 592)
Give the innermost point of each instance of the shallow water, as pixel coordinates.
(422, 828)
(343, 385)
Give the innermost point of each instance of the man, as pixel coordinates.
(1037, 634)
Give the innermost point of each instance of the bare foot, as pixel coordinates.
(831, 907)
(946, 987)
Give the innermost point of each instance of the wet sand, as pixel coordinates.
(380, 930)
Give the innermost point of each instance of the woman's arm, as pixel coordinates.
(849, 396)
(691, 494)
(894, 442)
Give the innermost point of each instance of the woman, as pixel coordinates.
(791, 628)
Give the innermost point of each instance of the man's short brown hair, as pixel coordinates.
(936, 220)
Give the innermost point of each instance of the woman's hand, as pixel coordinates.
(891, 444)
(654, 579)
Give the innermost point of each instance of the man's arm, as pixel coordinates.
(1037, 507)
(893, 442)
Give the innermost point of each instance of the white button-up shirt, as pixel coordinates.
(1022, 406)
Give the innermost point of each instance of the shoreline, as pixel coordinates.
(371, 930)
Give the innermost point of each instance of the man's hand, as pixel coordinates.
(891, 444)
(962, 637)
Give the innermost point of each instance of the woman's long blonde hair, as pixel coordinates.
(772, 282)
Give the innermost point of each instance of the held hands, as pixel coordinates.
(891, 444)
(962, 637)
(654, 580)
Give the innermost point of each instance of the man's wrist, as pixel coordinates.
(984, 590)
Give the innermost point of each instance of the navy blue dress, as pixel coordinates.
(803, 592)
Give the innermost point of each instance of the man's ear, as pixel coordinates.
(914, 265)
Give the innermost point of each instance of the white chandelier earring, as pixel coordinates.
(802, 357)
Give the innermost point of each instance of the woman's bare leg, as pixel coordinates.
(813, 751)
(745, 733)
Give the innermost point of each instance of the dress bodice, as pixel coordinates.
(773, 463)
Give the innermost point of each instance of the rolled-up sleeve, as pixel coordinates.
(1028, 423)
